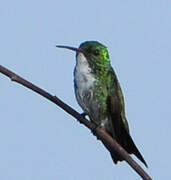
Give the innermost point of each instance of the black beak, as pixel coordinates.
(71, 48)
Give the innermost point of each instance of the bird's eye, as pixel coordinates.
(96, 52)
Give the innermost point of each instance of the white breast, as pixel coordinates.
(83, 77)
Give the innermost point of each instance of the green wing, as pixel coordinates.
(116, 99)
(120, 129)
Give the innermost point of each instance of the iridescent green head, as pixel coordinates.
(94, 52)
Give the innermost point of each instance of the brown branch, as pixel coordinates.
(112, 145)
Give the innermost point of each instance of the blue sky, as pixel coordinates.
(41, 141)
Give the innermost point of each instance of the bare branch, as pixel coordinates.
(112, 145)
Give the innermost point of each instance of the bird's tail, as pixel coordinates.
(128, 144)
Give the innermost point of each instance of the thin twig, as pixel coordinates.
(112, 145)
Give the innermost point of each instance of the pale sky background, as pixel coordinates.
(39, 141)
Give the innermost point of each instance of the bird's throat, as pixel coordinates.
(84, 78)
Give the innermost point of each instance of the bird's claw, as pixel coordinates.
(95, 128)
(83, 114)
(95, 123)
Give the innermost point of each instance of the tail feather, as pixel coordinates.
(131, 148)
(128, 144)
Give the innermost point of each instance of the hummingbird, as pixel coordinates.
(99, 94)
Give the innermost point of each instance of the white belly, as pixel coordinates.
(84, 88)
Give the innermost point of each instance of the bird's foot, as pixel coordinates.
(95, 128)
(83, 114)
